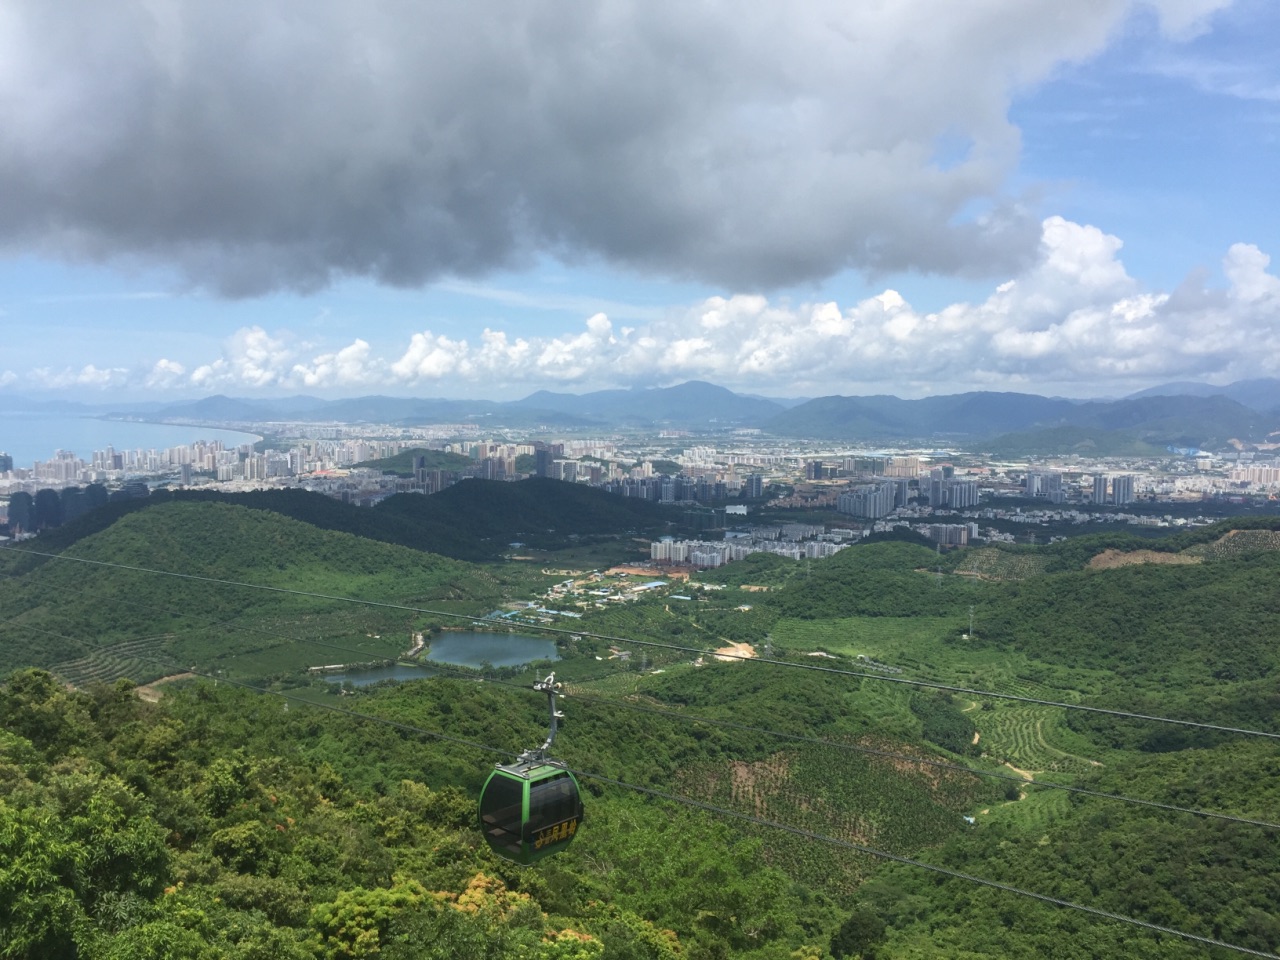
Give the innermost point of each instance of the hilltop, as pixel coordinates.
(1180, 415)
(976, 418)
(472, 520)
(402, 463)
(59, 612)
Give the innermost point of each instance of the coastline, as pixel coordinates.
(36, 436)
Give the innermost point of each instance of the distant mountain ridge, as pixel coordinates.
(691, 401)
(1177, 414)
(1184, 421)
(692, 404)
(1259, 394)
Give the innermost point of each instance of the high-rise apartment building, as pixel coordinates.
(1045, 483)
(870, 500)
(1122, 489)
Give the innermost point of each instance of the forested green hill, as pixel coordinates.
(226, 823)
(402, 463)
(472, 520)
(60, 612)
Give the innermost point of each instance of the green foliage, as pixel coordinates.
(402, 463)
(218, 823)
(85, 617)
(1125, 619)
(883, 579)
(355, 922)
(1061, 441)
(35, 706)
(21, 510)
(943, 723)
(472, 520)
(48, 509)
(757, 569)
(858, 935)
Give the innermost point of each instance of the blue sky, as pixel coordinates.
(940, 198)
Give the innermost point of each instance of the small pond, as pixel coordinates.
(396, 671)
(462, 649)
(500, 649)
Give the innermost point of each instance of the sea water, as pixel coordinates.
(29, 437)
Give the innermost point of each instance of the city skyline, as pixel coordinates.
(791, 203)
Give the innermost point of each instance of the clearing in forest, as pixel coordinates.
(994, 564)
(1110, 559)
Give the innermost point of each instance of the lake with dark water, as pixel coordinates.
(460, 649)
(29, 437)
(471, 649)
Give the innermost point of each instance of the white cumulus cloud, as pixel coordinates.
(165, 375)
(350, 366)
(1074, 321)
(252, 358)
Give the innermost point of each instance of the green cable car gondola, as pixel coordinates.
(532, 808)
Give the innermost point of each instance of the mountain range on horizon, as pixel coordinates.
(1182, 414)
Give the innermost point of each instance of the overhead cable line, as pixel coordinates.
(770, 824)
(766, 661)
(709, 721)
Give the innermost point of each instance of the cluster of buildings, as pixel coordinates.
(942, 489)
(1049, 484)
(66, 469)
(1262, 475)
(870, 488)
(950, 534)
(794, 541)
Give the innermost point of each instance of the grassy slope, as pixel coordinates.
(473, 520)
(1104, 636)
(402, 463)
(1191, 641)
(62, 611)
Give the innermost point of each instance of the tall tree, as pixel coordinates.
(73, 503)
(21, 511)
(48, 509)
(95, 495)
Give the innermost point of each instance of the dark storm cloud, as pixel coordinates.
(254, 146)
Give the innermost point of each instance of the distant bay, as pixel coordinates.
(29, 437)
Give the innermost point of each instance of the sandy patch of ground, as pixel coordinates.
(653, 573)
(1109, 559)
(754, 783)
(735, 651)
(1022, 773)
(149, 693)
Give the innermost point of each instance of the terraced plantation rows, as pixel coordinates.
(888, 804)
(1030, 738)
(1035, 812)
(117, 661)
(1237, 542)
(993, 564)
